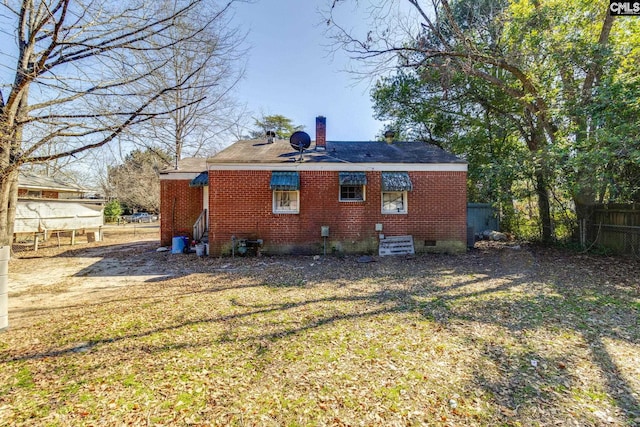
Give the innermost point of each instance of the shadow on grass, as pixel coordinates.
(518, 292)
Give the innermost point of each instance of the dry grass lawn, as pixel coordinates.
(498, 336)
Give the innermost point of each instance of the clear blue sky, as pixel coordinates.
(290, 70)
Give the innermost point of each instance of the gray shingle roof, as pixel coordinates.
(39, 182)
(336, 152)
(190, 164)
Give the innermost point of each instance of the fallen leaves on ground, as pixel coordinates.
(497, 336)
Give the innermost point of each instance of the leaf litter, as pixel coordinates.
(534, 336)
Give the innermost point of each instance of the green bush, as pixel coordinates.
(112, 211)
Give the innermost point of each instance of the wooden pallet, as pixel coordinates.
(396, 245)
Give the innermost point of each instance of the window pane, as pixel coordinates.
(351, 192)
(393, 202)
(285, 201)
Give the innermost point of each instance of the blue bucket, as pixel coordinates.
(177, 245)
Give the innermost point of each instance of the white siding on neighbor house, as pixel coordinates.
(38, 215)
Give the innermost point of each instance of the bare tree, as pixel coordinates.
(203, 111)
(78, 79)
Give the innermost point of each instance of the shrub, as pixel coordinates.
(112, 211)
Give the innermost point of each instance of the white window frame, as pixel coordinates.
(277, 206)
(405, 203)
(364, 193)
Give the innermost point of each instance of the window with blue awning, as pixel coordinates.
(396, 181)
(285, 181)
(202, 180)
(353, 178)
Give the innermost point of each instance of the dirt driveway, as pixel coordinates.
(54, 276)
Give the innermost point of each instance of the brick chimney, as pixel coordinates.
(321, 133)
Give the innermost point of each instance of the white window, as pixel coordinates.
(352, 193)
(352, 185)
(286, 201)
(394, 202)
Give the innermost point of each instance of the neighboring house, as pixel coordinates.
(47, 204)
(355, 193)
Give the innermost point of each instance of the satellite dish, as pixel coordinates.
(300, 141)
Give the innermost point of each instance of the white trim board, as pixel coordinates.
(179, 176)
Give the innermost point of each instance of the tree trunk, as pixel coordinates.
(10, 147)
(507, 210)
(536, 142)
(8, 201)
(10, 153)
(544, 207)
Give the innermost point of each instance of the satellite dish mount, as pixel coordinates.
(300, 141)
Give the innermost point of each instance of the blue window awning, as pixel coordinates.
(353, 178)
(201, 180)
(287, 181)
(396, 181)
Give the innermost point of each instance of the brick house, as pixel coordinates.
(35, 186)
(356, 192)
(183, 199)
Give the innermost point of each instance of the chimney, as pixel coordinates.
(321, 133)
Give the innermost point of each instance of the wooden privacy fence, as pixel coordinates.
(615, 227)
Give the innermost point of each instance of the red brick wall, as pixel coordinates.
(241, 205)
(180, 206)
